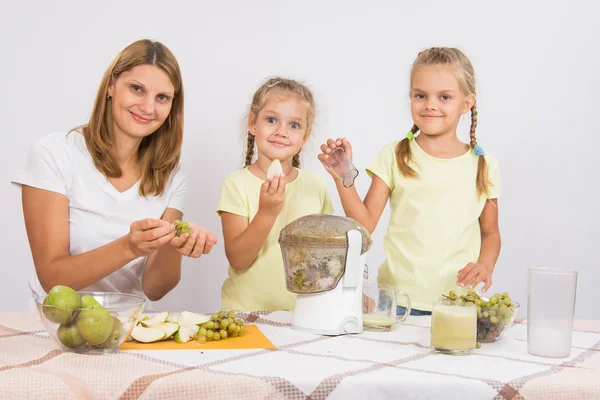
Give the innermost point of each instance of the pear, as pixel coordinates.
(184, 335)
(69, 336)
(95, 324)
(169, 328)
(157, 319)
(66, 300)
(147, 335)
(195, 318)
(183, 322)
(115, 336)
(89, 302)
(274, 169)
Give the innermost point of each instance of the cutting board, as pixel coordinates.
(254, 339)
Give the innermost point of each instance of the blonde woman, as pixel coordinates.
(99, 201)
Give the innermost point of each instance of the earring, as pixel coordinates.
(108, 97)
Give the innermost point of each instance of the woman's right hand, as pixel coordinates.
(272, 196)
(328, 147)
(148, 235)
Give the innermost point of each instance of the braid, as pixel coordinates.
(481, 181)
(296, 160)
(250, 149)
(473, 125)
(403, 156)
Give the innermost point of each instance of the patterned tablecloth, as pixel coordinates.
(392, 365)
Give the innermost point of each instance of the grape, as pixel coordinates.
(202, 332)
(223, 334)
(493, 300)
(216, 336)
(224, 323)
(210, 325)
(182, 227)
(201, 339)
(233, 334)
(214, 317)
(220, 314)
(210, 334)
(231, 314)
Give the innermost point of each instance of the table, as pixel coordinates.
(373, 365)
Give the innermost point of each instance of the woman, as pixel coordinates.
(99, 202)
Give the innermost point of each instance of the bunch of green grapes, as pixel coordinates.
(182, 227)
(221, 326)
(493, 315)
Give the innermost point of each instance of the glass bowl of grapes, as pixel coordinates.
(494, 314)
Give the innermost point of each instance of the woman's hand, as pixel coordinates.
(194, 245)
(148, 235)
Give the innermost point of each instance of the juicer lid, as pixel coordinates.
(323, 230)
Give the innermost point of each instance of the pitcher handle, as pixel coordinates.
(407, 308)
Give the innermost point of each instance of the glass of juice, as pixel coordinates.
(453, 327)
(379, 307)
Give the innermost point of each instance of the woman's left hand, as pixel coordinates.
(194, 245)
(473, 274)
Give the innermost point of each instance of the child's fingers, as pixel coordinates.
(339, 142)
(264, 188)
(188, 248)
(331, 144)
(274, 185)
(208, 246)
(325, 149)
(463, 273)
(480, 277)
(281, 187)
(468, 277)
(487, 285)
(199, 247)
(323, 157)
(178, 242)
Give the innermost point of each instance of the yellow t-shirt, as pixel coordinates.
(434, 221)
(262, 285)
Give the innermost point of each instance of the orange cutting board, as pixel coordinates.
(254, 339)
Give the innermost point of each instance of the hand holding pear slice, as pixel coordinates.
(147, 335)
(274, 169)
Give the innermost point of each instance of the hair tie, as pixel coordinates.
(410, 136)
(270, 85)
(478, 150)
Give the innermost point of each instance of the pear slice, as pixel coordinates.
(157, 319)
(195, 318)
(274, 169)
(188, 324)
(184, 335)
(147, 335)
(172, 318)
(169, 328)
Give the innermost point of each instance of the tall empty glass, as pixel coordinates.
(550, 311)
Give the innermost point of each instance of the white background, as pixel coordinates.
(536, 63)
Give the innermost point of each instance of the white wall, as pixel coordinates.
(537, 91)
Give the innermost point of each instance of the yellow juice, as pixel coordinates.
(378, 322)
(454, 327)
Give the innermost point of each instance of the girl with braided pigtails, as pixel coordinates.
(443, 232)
(254, 206)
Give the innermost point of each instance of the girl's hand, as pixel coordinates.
(148, 235)
(272, 196)
(194, 245)
(473, 274)
(327, 148)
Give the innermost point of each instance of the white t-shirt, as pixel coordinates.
(98, 213)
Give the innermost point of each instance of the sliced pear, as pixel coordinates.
(147, 335)
(172, 318)
(274, 169)
(169, 328)
(188, 324)
(184, 335)
(155, 320)
(195, 318)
